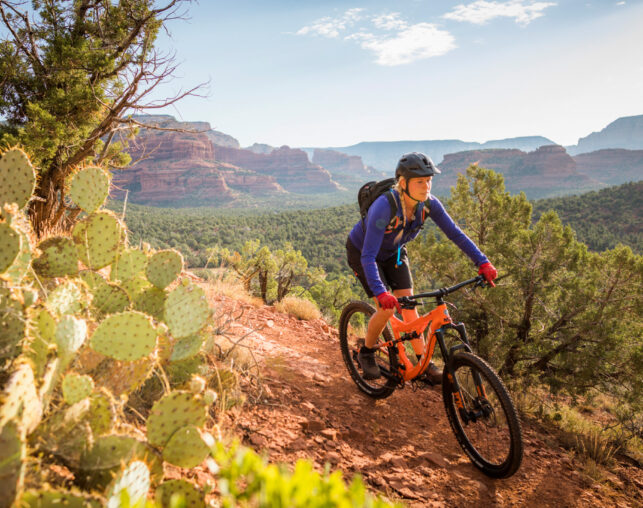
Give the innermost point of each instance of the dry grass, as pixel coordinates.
(298, 307)
(223, 282)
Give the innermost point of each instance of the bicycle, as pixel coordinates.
(478, 406)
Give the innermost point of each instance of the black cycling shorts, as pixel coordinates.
(392, 275)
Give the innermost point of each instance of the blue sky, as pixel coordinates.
(334, 73)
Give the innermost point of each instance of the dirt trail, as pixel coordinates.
(402, 446)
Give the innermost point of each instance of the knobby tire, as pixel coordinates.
(350, 340)
(502, 425)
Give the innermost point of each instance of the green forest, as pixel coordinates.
(600, 219)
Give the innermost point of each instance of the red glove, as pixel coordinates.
(489, 272)
(388, 301)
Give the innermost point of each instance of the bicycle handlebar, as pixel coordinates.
(410, 302)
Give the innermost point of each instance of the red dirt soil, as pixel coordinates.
(402, 446)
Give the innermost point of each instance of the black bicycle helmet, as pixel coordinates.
(415, 164)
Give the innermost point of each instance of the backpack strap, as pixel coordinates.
(392, 203)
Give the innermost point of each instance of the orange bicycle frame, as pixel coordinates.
(434, 320)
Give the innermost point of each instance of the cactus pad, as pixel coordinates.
(210, 397)
(10, 244)
(122, 377)
(172, 490)
(77, 387)
(187, 447)
(67, 298)
(151, 301)
(98, 464)
(93, 279)
(70, 335)
(20, 401)
(164, 267)
(130, 263)
(125, 336)
(186, 310)
(98, 239)
(12, 324)
(89, 188)
(110, 299)
(174, 411)
(17, 178)
(56, 499)
(186, 347)
(58, 258)
(132, 484)
(42, 335)
(12, 457)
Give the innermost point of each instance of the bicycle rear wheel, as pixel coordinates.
(352, 330)
(489, 430)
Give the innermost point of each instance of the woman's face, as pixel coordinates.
(419, 188)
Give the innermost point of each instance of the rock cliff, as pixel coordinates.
(179, 167)
(289, 167)
(612, 166)
(348, 170)
(547, 171)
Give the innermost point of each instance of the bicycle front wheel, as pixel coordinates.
(484, 421)
(352, 332)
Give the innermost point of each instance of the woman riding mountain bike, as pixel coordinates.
(376, 251)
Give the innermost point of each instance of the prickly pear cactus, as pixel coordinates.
(58, 258)
(93, 279)
(12, 458)
(20, 402)
(98, 239)
(10, 244)
(110, 299)
(174, 490)
(130, 486)
(186, 348)
(174, 411)
(99, 463)
(188, 447)
(12, 324)
(17, 178)
(56, 498)
(89, 188)
(67, 298)
(76, 387)
(70, 335)
(126, 336)
(151, 301)
(186, 309)
(122, 377)
(164, 267)
(129, 264)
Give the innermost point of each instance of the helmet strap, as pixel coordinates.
(406, 191)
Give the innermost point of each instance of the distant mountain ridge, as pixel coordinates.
(383, 155)
(203, 166)
(625, 132)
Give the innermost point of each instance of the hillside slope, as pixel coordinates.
(402, 446)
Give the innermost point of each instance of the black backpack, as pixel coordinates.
(370, 191)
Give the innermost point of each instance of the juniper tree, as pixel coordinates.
(71, 75)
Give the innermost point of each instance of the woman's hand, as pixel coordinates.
(388, 301)
(489, 272)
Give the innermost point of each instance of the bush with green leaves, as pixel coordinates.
(569, 317)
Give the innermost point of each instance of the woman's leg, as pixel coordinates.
(409, 315)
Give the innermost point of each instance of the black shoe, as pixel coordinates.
(366, 359)
(432, 375)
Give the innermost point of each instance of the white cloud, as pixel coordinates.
(389, 36)
(620, 3)
(482, 11)
(330, 27)
(415, 42)
(391, 21)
